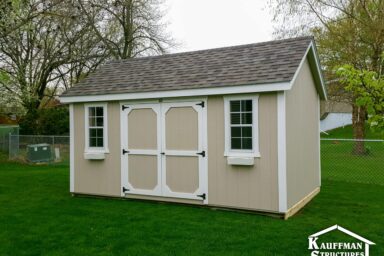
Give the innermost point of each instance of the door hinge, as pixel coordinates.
(125, 151)
(202, 153)
(125, 189)
(202, 104)
(123, 107)
(202, 196)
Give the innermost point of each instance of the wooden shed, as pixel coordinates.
(234, 127)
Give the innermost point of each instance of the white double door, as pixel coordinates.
(163, 149)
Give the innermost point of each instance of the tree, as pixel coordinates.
(367, 87)
(42, 49)
(128, 28)
(348, 32)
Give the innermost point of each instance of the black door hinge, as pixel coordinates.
(202, 104)
(202, 153)
(123, 107)
(125, 189)
(202, 196)
(125, 151)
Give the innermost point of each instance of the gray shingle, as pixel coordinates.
(267, 62)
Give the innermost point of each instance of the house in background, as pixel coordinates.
(335, 114)
(234, 127)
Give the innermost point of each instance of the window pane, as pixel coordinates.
(246, 118)
(99, 111)
(92, 111)
(99, 132)
(92, 142)
(92, 121)
(235, 118)
(235, 105)
(247, 143)
(246, 132)
(99, 121)
(235, 132)
(235, 143)
(100, 142)
(92, 132)
(246, 105)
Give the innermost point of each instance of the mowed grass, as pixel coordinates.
(38, 216)
(346, 132)
(339, 163)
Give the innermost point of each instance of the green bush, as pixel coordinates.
(48, 121)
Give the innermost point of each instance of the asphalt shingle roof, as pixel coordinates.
(267, 62)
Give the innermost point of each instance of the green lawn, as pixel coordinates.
(347, 133)
(38, 216)
(338, 163)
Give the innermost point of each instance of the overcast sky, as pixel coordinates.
(203, 24)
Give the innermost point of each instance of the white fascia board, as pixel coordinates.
(180, 93)
(310, 50)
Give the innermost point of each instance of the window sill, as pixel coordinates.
(95, 155)
(242, 154)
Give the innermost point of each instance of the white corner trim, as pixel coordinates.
(71, 150)
(255, 152)
(282, 152)
(318, 132)
(180, 93)
(88, 149)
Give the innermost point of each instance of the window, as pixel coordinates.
(241, 126)
(95, 127)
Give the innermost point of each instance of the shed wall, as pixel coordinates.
(248, 187)
(303, 149)
(98, 177)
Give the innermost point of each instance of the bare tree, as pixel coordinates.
(128, 28)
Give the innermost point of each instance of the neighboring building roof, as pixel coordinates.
(253, 64)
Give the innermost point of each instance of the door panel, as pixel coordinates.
(181, 143)
(143, 171)
(181, 128)
(182, 173)
(142, 129)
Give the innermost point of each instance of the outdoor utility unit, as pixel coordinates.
(39, 152)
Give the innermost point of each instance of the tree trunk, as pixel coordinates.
(358, 123)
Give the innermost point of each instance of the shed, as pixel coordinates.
(234, 127)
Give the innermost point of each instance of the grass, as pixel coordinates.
(38, 216)
(346, 132)
(338, 162)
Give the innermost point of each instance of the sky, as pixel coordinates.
(204, 24)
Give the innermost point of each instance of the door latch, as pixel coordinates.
(202, 153)
(202, 196)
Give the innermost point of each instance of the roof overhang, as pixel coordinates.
(314, 64)
(310, 55)
(240, 89)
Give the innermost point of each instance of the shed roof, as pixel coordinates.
(251, 64)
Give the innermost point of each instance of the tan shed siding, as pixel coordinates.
(245, 187)
(302, 122)
(99, 177)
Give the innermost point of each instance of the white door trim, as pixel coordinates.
(157, 191)
(161, 108)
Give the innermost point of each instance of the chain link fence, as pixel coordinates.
(359, 161)
(5, 131)
(39, 148)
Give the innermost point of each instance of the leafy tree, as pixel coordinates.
(347, 32)
(367, 87)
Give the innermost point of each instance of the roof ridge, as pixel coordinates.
(214, 49)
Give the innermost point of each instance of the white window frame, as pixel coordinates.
(255, 127)
(103, 149)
